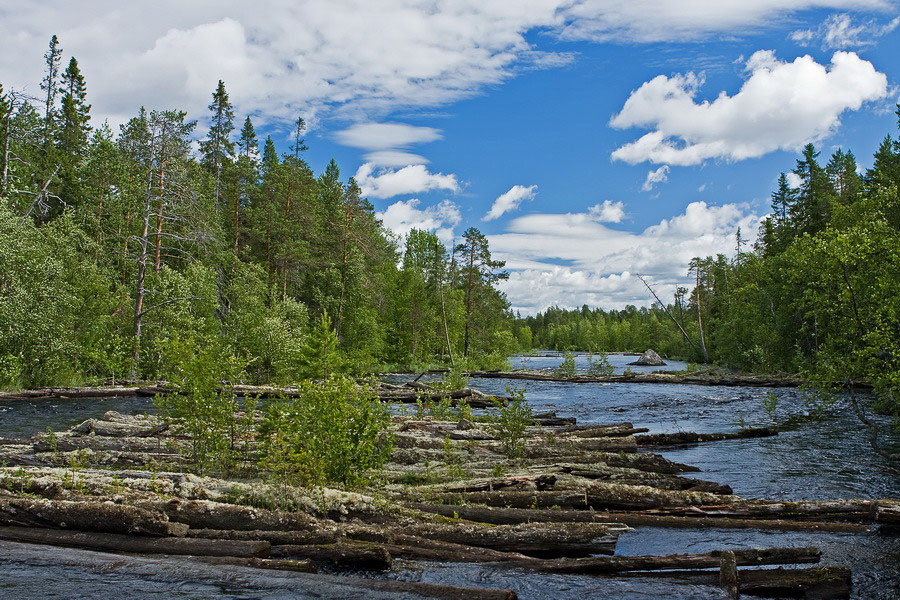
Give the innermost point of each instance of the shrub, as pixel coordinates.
(600, 366)
(567, 368)
(510, 423)
(332, 431)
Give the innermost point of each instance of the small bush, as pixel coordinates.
(567, 368)
(333, 431)
(510, 423)
(601, 365)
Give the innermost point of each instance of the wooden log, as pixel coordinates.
(597, 496)
(119, 429)
(64, 442)
(113, 542)
(616, 564)
(532, 539)
(669, 377)
(490, 484)
(637, 519)
(509, 516)
(339, 555)
(688, 437)
(728, 574)
(199, 514)
(864, 511)
(637, 477)
(275, 564)
(822, 583)
(313, 537)
(99, 517)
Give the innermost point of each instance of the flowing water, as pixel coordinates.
(820, 459)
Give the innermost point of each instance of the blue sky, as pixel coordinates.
(441, 108)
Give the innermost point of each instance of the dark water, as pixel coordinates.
(820, 459)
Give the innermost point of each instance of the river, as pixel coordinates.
(820, 459)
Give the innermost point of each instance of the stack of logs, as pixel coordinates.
(448, 494)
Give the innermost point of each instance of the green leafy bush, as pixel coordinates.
(567, 368)
(510, 422)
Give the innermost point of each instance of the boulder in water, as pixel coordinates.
(649, 359)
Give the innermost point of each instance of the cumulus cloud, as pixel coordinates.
(510, 200)
(283, 58)
(660, 175)
(839, 32)
(379, 182)
(401, 217)
(548, 268)
(608, 212)
(781, 105)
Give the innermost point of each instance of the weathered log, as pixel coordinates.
(275, 564)
(113, 542)
(533, 539)
(734, 380)
(216, 515)
(615, 564)
(615, 430)
(728, 574)
(637, 519)
(317, 536)
(99, 517)
(119, 429)
(688, 437)
(490, 484)
(63, 442)
(340, 555)
(597, 496)
(864, 511)
(637, 477)
(821, 583)
(509, 516)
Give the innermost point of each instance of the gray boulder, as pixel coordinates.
(649, 359)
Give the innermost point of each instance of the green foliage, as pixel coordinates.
(319, 354)
(600, 366)
(218, 434)
(567, 367)
(510, 422)
(332, 431)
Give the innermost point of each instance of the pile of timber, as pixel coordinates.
(449, 494)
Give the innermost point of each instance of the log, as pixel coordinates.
(597, 496)
(533, 539)
(688, 437)
(199, 514)
(313, 537)
(637, 519)
(821, 583)
(275, 564)
(490, 484)
(339, 556)
(98, 517)
(864, 511)
(509, 516)
(113, 542)
(119, 429)
(728, 574)
(600, 565)
(64, 442)
(734, 380)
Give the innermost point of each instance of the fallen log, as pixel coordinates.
(64, 442)
(119, 429)
(113, 542)
(864, 511)
(313, 537)
(688, 437)
(820, 583)
(509, 516)
(728, 574)
(339, 555)
(616, 564)
(734, 380)
(199, 514)
(636, 519)
(98, 517)
(275, 564)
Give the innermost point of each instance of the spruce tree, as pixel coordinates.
(72, 131)
(49, 84)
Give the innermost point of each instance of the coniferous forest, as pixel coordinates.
(116, 244)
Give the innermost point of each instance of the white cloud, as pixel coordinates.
(413, 179)
(660, 175)
(794, 180)
(702, 188)
(570, 259)
(510, 200)
(386, 136)
(401, 217)
(839, 32)
(608, 212)
(282, 57)
(781, 105)
(394, 158)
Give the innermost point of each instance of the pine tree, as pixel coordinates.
(812, 208)
(217, 148)
(299, 145)
(248, 143)
(73, 130)
(269, 155)
(841, 170)
(49, 84)
(478, 269)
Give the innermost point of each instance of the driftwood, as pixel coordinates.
(687, 437)
(113, 542)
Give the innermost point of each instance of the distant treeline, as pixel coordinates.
(117, 246)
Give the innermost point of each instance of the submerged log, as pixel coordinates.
(99, 517)
(113, 542)
(820, 583)
(688, 437)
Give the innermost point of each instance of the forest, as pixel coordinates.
(117, 245)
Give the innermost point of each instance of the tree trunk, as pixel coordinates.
(142, 271)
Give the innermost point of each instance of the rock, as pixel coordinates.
(649, 359)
